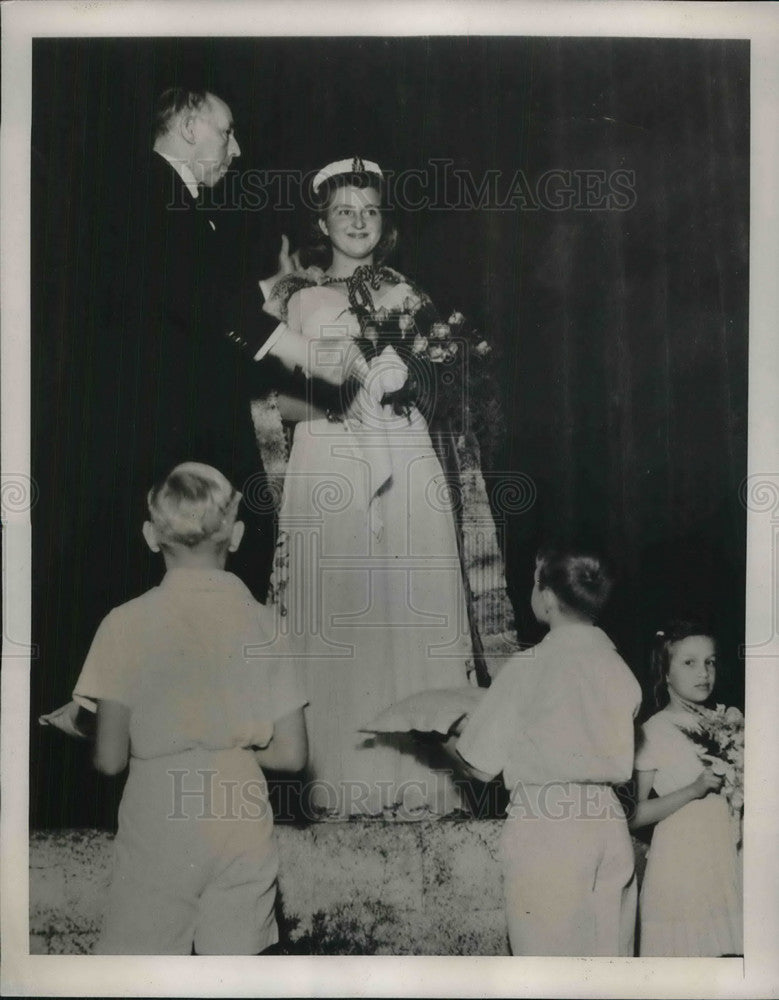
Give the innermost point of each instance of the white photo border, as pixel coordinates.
(757, 975)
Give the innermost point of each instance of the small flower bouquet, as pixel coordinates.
(718, 736)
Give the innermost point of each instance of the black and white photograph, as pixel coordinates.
(389, 496)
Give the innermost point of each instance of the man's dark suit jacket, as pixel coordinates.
(178, 288)
(180, 320)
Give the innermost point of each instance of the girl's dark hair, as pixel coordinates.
(318, 250)
(579, 576)
(660, 658)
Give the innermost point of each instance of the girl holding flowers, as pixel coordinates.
(691, 756)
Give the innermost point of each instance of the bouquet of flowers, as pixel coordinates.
(718, 735)
(418, 335)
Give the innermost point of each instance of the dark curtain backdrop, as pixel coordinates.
(620, 335)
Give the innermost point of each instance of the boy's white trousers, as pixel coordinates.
(569, 876)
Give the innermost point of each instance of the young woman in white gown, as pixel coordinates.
(367, 571)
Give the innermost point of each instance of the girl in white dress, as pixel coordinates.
(691, 901)
(367, 570)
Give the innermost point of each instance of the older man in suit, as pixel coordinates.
(186, 321)
(181, 335)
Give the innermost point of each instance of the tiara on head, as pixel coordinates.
(356, 165)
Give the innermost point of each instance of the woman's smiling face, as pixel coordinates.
(353, 221)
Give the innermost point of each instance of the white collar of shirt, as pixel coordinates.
(184, 173)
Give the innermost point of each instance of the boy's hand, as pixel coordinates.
(71, 719)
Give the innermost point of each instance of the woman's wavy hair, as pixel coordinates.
(662, 647)
(318, 250)
(579, 575)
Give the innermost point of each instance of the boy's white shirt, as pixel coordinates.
(261, 686)
(561, 711)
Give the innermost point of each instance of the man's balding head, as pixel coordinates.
(171, 103)
(196, 126)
